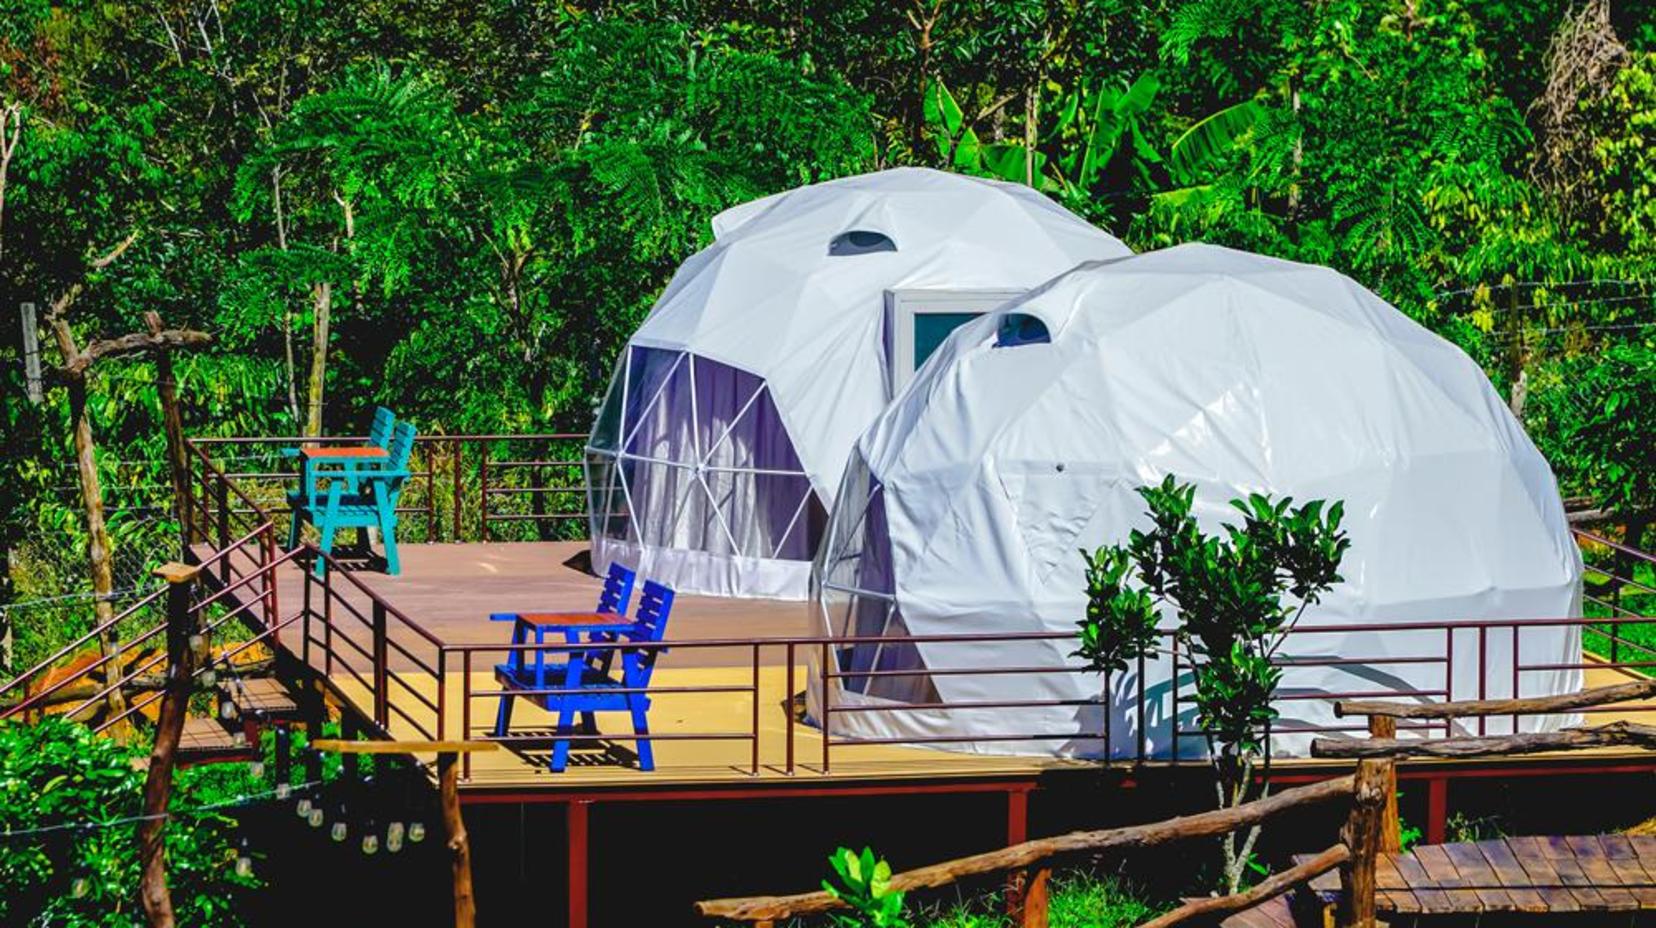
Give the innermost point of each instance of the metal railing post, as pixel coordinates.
(483, 493)
(442, 690)
(457, 491)
(827, 712)
(382, 695)
(465, 711)
(223, 494)
(787, 703)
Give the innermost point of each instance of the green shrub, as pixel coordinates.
(57, 773)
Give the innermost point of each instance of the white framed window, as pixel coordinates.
(918, 320)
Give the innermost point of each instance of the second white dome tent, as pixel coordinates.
(726, 428)
(1029, 433)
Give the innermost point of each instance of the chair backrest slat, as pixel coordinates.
(402, 447)
(655, 605)
(379, 433)
(617, 592)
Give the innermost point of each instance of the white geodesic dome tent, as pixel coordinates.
(725, 431)
(1026, 435)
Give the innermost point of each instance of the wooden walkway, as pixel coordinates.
(1536, 875)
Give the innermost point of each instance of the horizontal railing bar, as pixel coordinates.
(412, 691)
(1344, 661)
(967, 704)
(959, 739)
(617, 736)
(615, 690)
(514, 517)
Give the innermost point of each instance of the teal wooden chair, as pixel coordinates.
(372, 505)
(379, 436)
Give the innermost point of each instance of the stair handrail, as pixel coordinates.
(29, 675)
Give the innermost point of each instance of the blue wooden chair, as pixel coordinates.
(614, 599)
(584, 689)
(375, 506)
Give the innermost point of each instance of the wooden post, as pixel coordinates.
(1362, 835)
(1437, 810)
(448, 787)
(169, 729)
(1035, 899)
(1384, 727)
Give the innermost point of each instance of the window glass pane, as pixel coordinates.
(930, 329)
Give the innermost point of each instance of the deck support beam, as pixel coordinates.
(578, 877)
(1437, 810)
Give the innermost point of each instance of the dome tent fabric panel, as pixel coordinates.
(1239, 374)
(781, 311)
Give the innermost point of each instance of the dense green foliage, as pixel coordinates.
(469, 205)
(58, 773)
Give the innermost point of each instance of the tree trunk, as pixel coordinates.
(172, 422)
(98, 554)
(1032, 113)
(322, 300)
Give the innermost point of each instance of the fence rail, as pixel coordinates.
(461, 487)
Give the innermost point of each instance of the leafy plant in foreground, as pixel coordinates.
(1236, 594)
(57, 773)
(865, 885)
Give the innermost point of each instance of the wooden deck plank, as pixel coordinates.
(1619, 852)
(1273, 913)
(1588, 854)
(1475, 869)
(1510, 873)
(1394, 895)
(1543, 875)
(1569, 874)
(1420, 883)
(1445, 876)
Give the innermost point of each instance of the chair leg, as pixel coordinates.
(393, 564)
(589, 723)
(641, 726)
(293, 530)
(325, 545)
(560, 748)
(503, 717)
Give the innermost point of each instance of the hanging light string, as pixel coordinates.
(238, 802)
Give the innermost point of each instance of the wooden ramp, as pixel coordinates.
(1532, 875)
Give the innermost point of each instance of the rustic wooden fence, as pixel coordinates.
(1372, 826)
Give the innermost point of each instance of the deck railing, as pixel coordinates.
(399, 673)
(461, 487)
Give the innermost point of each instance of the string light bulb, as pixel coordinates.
(255, 769)
(302, 808)
(339, 831)
(209, 677)
(416, 832)
(77, 887)
(370, 844)
(244, 863)
(315, 817)
(394, 837)
(283, 790)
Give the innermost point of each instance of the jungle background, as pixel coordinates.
(461, 209)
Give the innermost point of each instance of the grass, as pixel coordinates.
(1074, 901)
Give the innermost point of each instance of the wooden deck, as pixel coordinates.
(450, 589)
(1534, 875)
